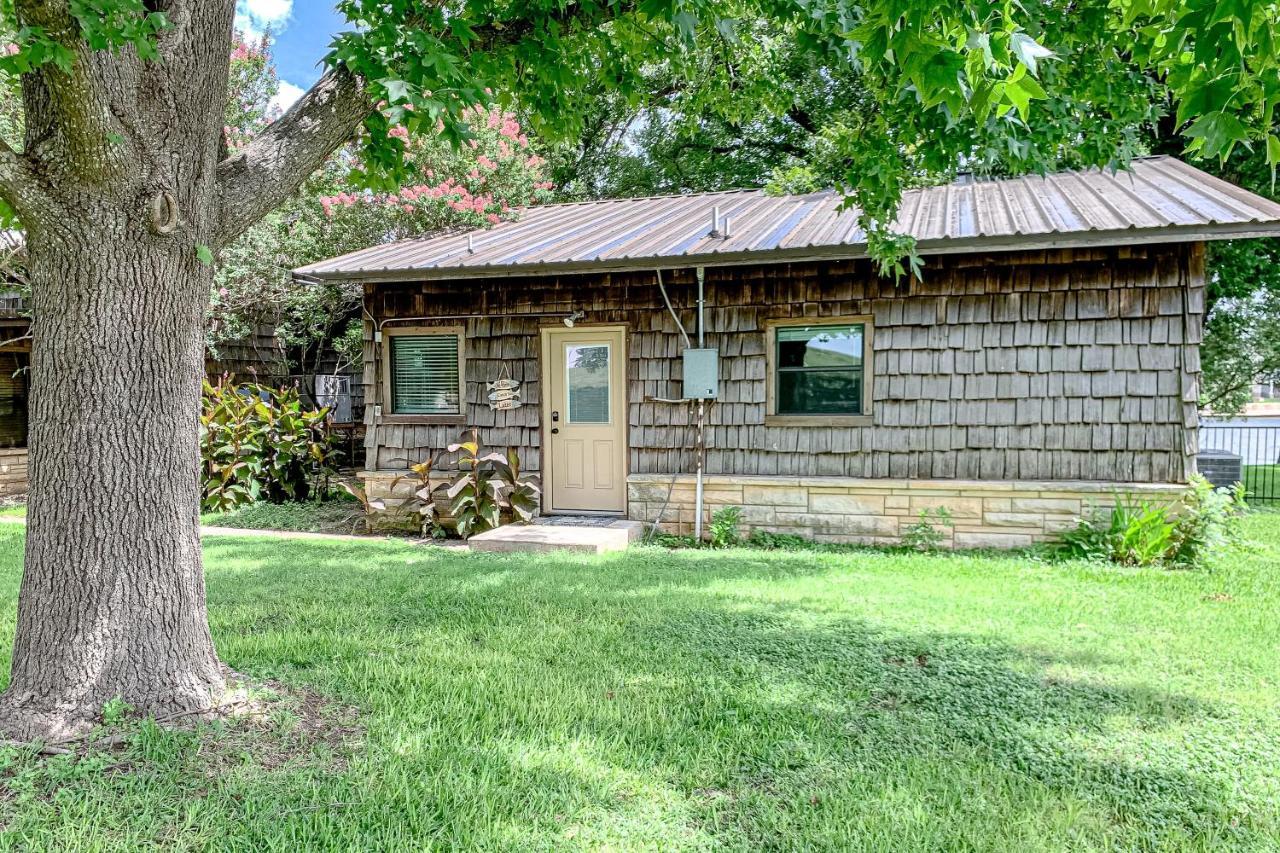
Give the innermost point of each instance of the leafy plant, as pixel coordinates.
(1138, 533)
(422, 501)
(779, 541)
(923, 535)
(1209, 520)
(416, 514)
(1131, 533)
(521, 495)
(674, 541)
(361, 494)
(724, 530)
(487, 486)
(261, 443)
(115, 711)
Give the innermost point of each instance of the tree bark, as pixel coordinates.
(119, 190)
(113, 598)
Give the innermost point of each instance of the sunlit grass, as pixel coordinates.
(735, 700)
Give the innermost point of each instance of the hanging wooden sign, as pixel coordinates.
(504, 393)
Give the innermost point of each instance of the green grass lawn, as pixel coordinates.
(1262, 480)
(740, 700)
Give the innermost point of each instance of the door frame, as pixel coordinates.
(544, 416)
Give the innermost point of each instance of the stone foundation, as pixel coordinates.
(13, 471)
(985, 514)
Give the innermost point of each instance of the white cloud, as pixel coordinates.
(285, 97)
(255, 16)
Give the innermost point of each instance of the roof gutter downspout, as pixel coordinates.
(702, 408)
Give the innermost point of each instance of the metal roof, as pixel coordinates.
(1158, 199)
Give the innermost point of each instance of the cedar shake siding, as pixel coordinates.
(1072, 364)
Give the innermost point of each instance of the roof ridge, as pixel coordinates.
(657, 197)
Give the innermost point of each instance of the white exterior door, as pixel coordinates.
(585, 418)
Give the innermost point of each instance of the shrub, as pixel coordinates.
(1208, 521)
(1139, 533)
(724, 531)
(923, 535)
(260, 443)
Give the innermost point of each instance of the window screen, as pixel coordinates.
(425, 375)
(819, 369)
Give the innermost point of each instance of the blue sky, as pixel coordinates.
(302, 33)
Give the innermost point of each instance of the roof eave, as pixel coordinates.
(1010, 243)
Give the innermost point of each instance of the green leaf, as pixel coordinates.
(1218, 132)
(204, 254)
(1028, 50)
(397, 90)
(1273, 157)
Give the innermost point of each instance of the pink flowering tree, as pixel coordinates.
(251, 84)
(479, 183)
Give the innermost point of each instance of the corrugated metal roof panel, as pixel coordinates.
(1159, 199)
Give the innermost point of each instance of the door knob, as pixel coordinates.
(555, 430)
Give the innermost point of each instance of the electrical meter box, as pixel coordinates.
(701, 374)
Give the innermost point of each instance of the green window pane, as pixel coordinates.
(424, 375)
(819, 393)
(588, 383)
(819, 369)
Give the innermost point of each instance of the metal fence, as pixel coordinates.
(1243, 450)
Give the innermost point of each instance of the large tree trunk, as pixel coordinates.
(112, 599)
(119, 185)
(126, 151)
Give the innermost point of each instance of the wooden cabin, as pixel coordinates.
(1046, 359)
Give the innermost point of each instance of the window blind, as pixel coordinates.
(425, 375)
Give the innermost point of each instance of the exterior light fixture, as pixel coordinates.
(573, 318)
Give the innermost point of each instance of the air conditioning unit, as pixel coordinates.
(333, 390)
(1221, 467)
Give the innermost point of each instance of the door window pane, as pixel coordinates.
(819, 369)
(424, 375)
(587, 383)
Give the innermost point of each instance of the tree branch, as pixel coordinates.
(20, 186)
(255, 180)
(78, 124)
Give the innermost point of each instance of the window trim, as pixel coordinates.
(390, 417)
(772, 418)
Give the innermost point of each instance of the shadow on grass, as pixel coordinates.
(690, 697)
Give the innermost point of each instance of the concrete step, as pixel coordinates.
(595, 539)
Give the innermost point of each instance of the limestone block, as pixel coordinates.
(965, 540)
(845, 503)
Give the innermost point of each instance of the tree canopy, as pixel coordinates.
(996, 85)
